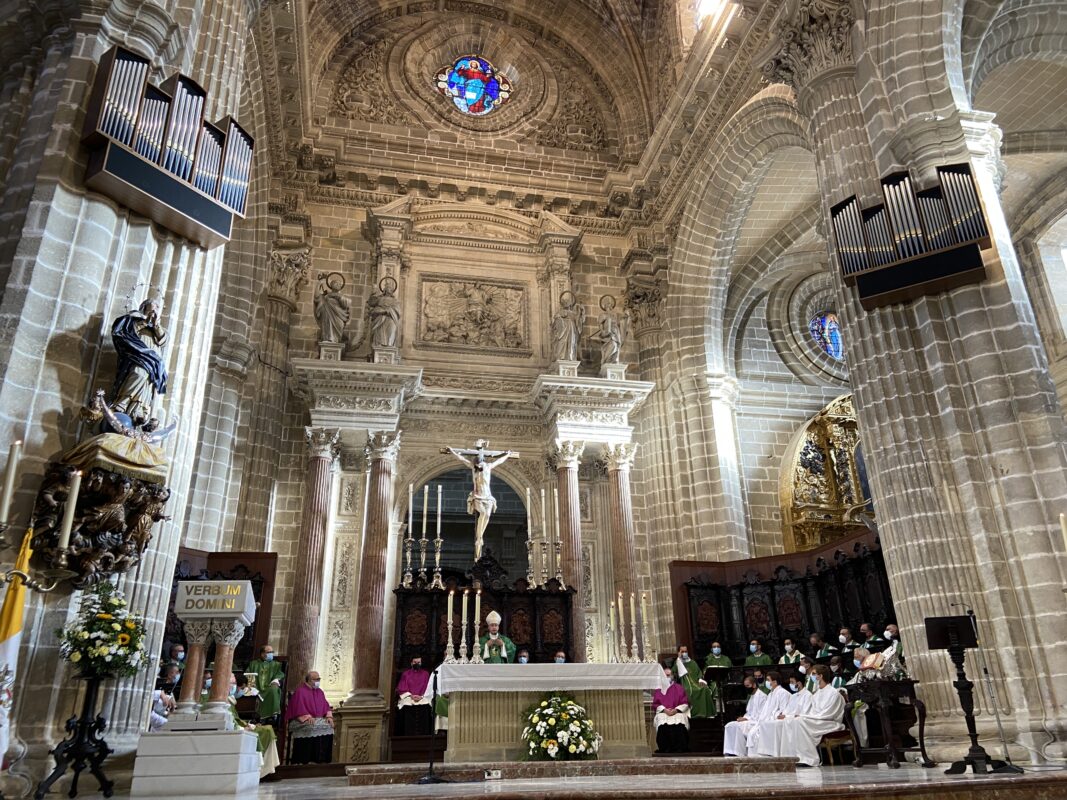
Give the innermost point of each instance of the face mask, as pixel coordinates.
(716, 651)
(887, 635)
(181, 656)
(767, 684)
(752, 648)
(834, 668)
(315, 684)
(789, 648)
(268, 657)
(207, 683)
(856, 662)
(416, 665)
(842, 639)
(685, 656)
(233, 691)
(523, 659)
(559, 660)
(794, 688)
(669, 676)
(803, 670)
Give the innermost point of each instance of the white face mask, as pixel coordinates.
(207, 683)
(523, 659)
(887, 634)
(803, 670)
(789, 648)
(767, 684)
(752, 648)
(856, 662)
(560, 660)
(843, 639)
(716, 651)
(268, 657)
(315, 684)
(685, 656)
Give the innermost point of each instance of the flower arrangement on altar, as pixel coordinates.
(105, 640)
(558, 729)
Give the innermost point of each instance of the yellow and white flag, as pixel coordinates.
(11, 615)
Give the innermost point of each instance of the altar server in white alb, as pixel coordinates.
(774, 705)
(799, 736)
(736, 732)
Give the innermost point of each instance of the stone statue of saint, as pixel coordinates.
(141, 376)
(332, 309)
(384, 309)
(611, 331)
(480, 501)
(567, 328)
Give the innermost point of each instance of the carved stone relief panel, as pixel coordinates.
(345, 573)
(585, 503)
(461, 313)
(588, 599)
(338, 672)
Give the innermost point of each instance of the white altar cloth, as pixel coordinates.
(548, 677)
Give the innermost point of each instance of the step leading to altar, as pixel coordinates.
(396, 774)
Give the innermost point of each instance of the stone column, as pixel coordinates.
(196, 636)
(567, 456)
(311, 550)
(227, 634)
(288, 273)
(962, 431)
(619, 459)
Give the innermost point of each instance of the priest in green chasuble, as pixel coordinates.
(701, 700)
(269, 676)
(496, 648)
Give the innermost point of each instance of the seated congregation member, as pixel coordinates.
(496, 647)
(819, 647)
(756, 656)
(761, 681)
(414, 712)
(269, 677)
(206, 690)
(790, 654)
(310, 721)
(870, 637)
(559, 658)
(523, 656)
(848, 644)
(778, 699)
(266, 739)
(716, 658)
(837, 672)
(807, 670)
(799, 736)
(671, 719)
(735, 736)
(698, 695)
(244, 689)
(892, 635)
(859, 710)
(163, 699)
(800, 698)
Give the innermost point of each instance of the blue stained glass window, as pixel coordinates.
(473, 85)
(826, 331)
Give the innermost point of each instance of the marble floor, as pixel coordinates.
(809, 784)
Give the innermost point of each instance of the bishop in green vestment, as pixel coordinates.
(269, 675)
(495, 647)
(701, 701)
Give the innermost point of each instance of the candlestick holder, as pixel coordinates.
(559, 567)
(422, 560)
(544, 563)
(530, 580)
(463, 643)
(437, 583)
(634, 658)
(450, 650)
(650, 657)
(56, 574)
(620, 641)
(613, 657)
(476, 652)
(408, 577)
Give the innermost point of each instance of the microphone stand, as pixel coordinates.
(430, 776)
(1005, 767)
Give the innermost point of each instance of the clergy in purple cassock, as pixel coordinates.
(414, 709)
(672, 717)
(310, 721)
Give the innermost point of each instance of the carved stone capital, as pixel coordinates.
(289, 268)
(566, 455)
(383, 445)
(813, 39)
(322, 442)
(227, 632)
(620, 456)
(645, 301)
(197, 631)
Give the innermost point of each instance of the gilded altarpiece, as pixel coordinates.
(824, 489)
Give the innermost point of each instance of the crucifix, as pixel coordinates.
(480, 501)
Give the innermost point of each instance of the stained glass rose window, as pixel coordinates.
(473, 85)
(826, 331)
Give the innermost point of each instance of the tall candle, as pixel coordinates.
(451, 604)
(622, 612)
(438, 511)
(555, 519)
(611, 617)
(411, 510)
(425, 507)
(68, 510)
(544, 519)
(13, 457)
(1063, 529)
(622, 629)
(477, 616)
(633, 612)
(529, 517)
(463, 608)
(644, 612)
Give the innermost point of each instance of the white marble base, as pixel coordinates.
(205, 763)
(566, 369)
(331, 351)
(385, 355)
(613, 372)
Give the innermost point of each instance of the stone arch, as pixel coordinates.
(1034, 30)
(723, 185)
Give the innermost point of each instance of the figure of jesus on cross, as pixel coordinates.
(481, 502)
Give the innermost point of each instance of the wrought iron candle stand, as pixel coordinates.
(83, 748)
